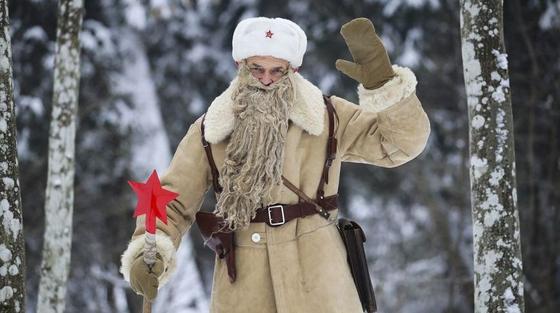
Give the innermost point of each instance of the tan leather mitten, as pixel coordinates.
(371, 65)
(144, 278)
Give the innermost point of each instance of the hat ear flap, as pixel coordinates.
(238, 33)
(300, 35)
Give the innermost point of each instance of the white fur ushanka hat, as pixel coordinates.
(277, 37)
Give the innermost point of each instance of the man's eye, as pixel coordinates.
(278, 72)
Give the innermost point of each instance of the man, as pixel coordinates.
(271, 122)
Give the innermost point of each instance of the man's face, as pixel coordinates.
(267, 69)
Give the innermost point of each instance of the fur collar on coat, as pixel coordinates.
(308, 111)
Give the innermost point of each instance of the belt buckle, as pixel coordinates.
(270, 215)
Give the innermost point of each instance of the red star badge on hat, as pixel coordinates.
(269, 34)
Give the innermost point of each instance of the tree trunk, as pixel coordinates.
(497, 248)
(12, 245)
(59, 200)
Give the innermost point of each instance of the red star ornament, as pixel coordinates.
(269, 34)
(152, 201)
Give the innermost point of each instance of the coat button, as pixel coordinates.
(255, 237)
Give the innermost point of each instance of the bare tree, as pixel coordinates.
(12, 245)
(497, 248)
(59, 201)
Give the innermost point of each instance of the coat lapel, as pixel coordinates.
(307, 113)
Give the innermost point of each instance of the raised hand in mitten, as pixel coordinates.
(144, 278)
(371, 65)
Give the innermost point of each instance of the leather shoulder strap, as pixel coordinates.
(320, 209)
(331, 149)
(213, 169)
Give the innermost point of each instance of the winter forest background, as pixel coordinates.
(149, 68)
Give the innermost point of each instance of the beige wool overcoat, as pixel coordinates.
(300, 266)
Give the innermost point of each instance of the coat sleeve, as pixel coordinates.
(388, 128)
(188, 175)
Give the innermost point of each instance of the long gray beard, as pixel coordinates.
(254, 155)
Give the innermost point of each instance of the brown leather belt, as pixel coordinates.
(279, 214)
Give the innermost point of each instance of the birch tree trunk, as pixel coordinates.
(59, 201)
(497, 247)
(12, 245)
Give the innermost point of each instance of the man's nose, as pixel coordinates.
(266, 79)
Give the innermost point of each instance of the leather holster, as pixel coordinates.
(219, 238)
(353, 237)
